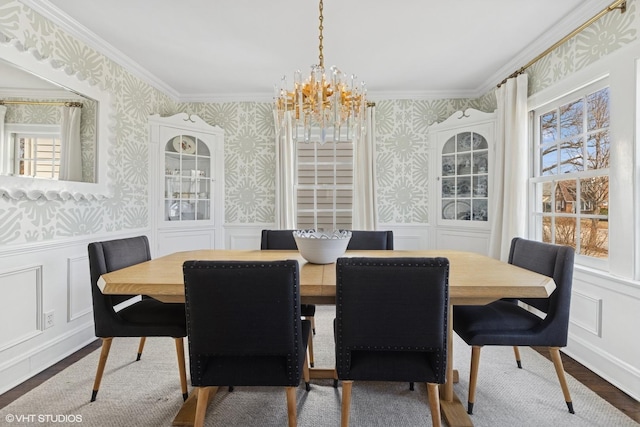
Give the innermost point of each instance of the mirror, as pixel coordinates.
(33, 92)
(33, 107)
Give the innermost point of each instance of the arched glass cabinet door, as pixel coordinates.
(187, 183)
(464, 189)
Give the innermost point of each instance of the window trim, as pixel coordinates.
(535, 178)
(8, 156)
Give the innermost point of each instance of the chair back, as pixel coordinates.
(278, 239)
(387, 307)
(554, 261)
(360, 240)
(105, 257)
(370, 240)
(243, 322)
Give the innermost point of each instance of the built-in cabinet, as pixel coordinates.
(188, 197)
(461, 148)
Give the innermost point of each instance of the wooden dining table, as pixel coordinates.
(474, 279)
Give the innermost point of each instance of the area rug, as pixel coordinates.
(147, 393)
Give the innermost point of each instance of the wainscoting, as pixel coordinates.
(603, 329)
(46, 299)
(45, 309)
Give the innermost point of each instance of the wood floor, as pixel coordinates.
(611, 394)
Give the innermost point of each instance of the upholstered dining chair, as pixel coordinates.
(360, 240)
(144, 318)
(283, 240)
(262, 345)
(391, 324)
(507, 323)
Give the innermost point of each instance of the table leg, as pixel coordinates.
(453, 411)
(187, 414)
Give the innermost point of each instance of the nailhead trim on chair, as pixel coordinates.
(292, 365)
(441, 365)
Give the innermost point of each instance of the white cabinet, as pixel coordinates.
(462, 151)
(188, 195)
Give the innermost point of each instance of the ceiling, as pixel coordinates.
(203, 50)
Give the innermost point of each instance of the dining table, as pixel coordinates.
(474, 279)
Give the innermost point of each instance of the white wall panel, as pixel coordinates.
(21, 305)
(463, 240)
(586, 312)
(78, 288)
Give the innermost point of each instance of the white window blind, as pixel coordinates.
(324, 185)
(37, 155)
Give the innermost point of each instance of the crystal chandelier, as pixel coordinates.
(322, 108)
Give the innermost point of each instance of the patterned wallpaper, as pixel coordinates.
(402, 146)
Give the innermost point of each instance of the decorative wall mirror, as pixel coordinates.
(50, 89)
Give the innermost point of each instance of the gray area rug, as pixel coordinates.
(147, 393)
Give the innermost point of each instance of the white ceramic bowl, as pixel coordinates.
(321, 248)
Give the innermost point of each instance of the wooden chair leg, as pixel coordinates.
(313, 324)
(346, 402)
(202, 402)
(305, 374)
(141, 347)
(557, 363)
(434, 404)
(181, 367)
(104, 354)
(516, 352)
(310, 350)
(473, 377)
(291, 406)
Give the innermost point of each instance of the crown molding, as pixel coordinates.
(82, 33)
(371, 95)
(229, 97)
(587, 10)
(581, 14)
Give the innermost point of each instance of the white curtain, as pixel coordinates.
(70, 145)
(5, 167)
(285, 170)
(509, 194)
(365, 214)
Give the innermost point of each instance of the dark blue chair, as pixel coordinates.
(505, 322)
(145, 318)
(264, 344)
(360, 240)
(391, 324)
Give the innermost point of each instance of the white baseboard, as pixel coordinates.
(606, 365)
(19, 369)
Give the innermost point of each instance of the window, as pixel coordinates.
(37, 155)
(324, 185)
(34, 151)
(570, 186)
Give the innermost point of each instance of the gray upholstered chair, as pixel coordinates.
(145, 318)
(391, 324)
(507, 323)
(264, 344)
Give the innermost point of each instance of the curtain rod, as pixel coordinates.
(618, 4)
(65, 104)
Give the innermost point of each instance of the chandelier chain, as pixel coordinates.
(321, 56)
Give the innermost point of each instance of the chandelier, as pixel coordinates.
(321, 108)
